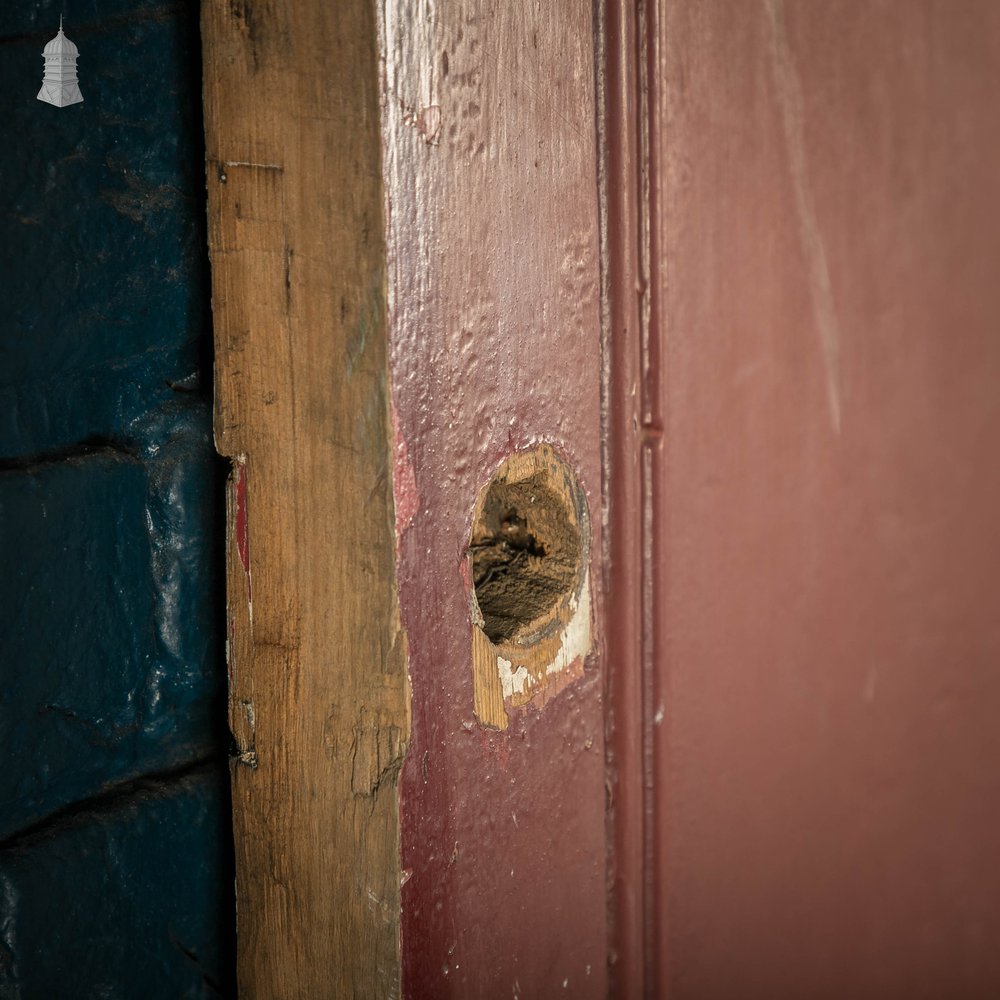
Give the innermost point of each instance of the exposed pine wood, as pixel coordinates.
(318, 701)
(549, 653)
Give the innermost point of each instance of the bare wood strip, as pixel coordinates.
(317, 660)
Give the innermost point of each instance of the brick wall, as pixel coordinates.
(115, 858)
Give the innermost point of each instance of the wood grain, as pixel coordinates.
(548, 654)
(317, 658)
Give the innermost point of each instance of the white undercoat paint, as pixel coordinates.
(576, 637)
(513, 681)
(574, 645)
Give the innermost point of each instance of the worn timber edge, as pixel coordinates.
(316, 654)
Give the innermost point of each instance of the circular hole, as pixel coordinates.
(526, 548)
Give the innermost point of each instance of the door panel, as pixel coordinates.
(819, 365)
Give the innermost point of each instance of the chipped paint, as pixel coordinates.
(230, 648)
(255, 166)
(429, 124)
(242, 527)
(513, 681)
(575, 642)
(490, 356)
(245, 734)
(404, 482)
(9, 906)
(548, 652)
(544, 671)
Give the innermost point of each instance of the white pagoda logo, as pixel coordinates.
(59, 86)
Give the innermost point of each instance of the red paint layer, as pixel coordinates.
(242, 524)
(404, 483)
(495, 341)
(633, 897)
(824, 498)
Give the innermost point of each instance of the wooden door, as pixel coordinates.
(404, 225)
(612, 400)
(806, 407)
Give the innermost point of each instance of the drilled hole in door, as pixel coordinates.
(526, 550)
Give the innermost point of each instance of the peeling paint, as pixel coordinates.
(576, 637)
(429, 124)
(404, 481)
(513, 681)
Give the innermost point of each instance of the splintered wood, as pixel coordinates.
(530, 597)
(316, 655)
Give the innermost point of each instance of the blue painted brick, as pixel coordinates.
(41, 17)
(103, 262)
(133, 899)
(108, 623)
(110, 600)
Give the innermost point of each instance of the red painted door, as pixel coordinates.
(806, 407)
(682, 317)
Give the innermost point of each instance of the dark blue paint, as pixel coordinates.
(110, 518)
(110, 621)
(102, 245)
(123, 902)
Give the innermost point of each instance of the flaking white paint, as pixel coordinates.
(513, 681)
(576, 637)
